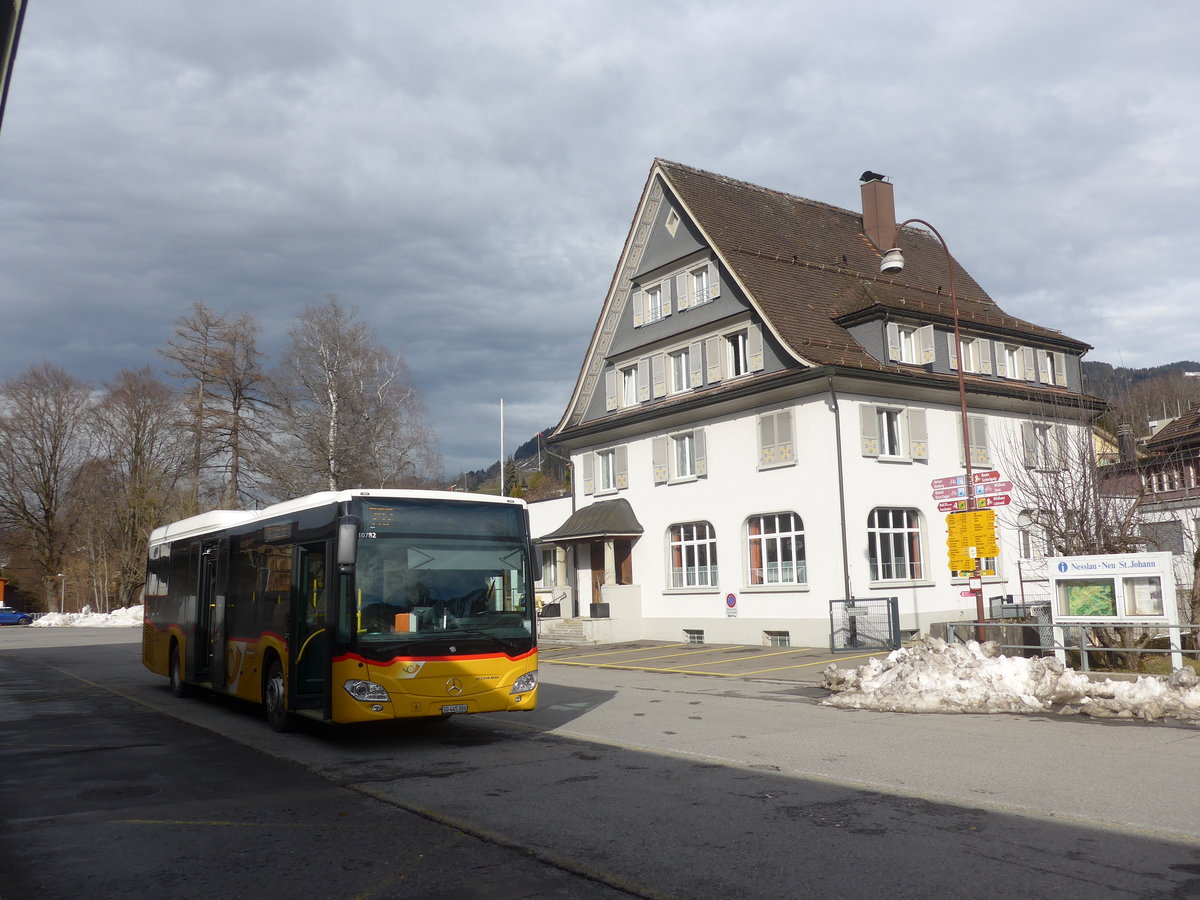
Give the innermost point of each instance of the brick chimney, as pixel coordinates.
(879, 212)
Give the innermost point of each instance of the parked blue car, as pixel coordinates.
(10, 616)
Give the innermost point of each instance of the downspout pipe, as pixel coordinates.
(841, 476)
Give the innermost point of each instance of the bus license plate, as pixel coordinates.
(454, 708)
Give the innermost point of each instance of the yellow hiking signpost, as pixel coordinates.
(971, 535)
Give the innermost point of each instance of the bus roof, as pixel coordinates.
(220, 519)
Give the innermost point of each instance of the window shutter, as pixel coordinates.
(1029, 444)
(667, 305)
(714, 281)
(784, 442)
(658, 459)
(1001, 359)
(589, 477)
(953, 347)
(1043, 366)
(635, 297)
(610, 389)
(1030, 360)
(712, 354)
(701, 454)
(869, 428)
(683, 300)
(621, 466)
(696, 362)
(918, 434)
(1062, 448)
(767, 454)
(643, 379)
(658, 375)
(893, 341)
(754, 347)
(979, 441)
(985, 356)
(1060, 369)
(925, 344)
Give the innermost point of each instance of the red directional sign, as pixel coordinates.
(986, 502)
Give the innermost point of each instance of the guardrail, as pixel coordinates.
(1113, 648)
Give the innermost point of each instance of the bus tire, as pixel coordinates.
(275, 697)
(179, 687)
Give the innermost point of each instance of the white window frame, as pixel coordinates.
(683, 455)
(654, 310)
(737, 354)
(895, 545)
(692, 556)
(606, 471)
(681, 370)
(628, 380)
(779, 538)
(892, 428)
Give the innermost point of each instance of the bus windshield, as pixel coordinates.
(430, 570)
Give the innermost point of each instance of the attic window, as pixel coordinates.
(672, 223)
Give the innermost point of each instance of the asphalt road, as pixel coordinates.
(623, 783)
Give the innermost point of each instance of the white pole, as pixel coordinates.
(501, 446)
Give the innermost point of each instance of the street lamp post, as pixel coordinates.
(62, 592)
(891, 264)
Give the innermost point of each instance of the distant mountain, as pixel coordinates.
(1143, 398)
(1102, 379)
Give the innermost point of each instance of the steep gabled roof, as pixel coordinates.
(809, 271)
(1182, 432)
(807, 264)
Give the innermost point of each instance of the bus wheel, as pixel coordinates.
(274, 693)
(179, 687)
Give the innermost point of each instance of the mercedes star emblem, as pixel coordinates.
(453, 686)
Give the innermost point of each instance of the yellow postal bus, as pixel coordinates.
(349, 606)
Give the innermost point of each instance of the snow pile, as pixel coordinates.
(119, 618)
(931, 676)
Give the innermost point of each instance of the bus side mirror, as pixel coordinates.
(535, 562)
(347, 543)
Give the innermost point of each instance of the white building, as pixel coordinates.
(760, 416)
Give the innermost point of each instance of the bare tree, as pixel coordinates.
(240, 383)
(1076, 507)
(133, 481)
(344, 411)
(195, 351)
(220, 364)
(43, 419)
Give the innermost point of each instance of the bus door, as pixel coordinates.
(310, 643)
(207, 617)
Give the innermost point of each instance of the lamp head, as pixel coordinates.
(892, 262)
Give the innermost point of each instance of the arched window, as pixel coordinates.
(894, 544)
(776, 544)
(693, 558)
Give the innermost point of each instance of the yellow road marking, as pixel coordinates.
(819, 662)
(630, 650)
(790, 652)
(563, 662)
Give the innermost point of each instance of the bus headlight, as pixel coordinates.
(525, 683)
(365, 690)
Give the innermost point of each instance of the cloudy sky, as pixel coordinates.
(465, 173)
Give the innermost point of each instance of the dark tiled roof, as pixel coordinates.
(808, 265)
(1182, 432)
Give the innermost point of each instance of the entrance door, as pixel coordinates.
(310, 662)
(597, 570)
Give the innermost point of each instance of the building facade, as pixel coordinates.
(761, 416)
